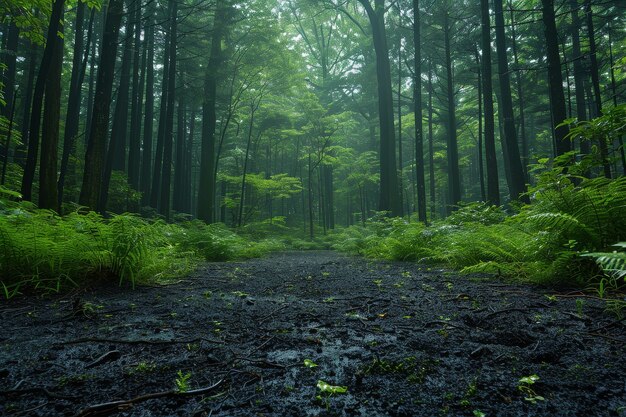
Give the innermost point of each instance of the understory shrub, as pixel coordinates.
(564, 236)
(44, 252)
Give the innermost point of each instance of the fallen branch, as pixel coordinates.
(137, 341)
(105, 409)
(38, 389)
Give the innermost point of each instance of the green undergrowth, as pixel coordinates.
(570, 235)
(43, 252)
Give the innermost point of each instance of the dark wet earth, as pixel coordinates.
(402, 339)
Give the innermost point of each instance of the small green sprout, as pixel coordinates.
(182, 381)
(525, 384)
(327, 391)
(309, 363)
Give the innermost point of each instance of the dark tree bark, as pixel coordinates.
(620, 139)
(493, 184)
(40, 84)
(417, 99)
(516, 181)
(148, 120)
(595, 81)
(155, 189)
(96, 146)
(50, 131)
(555, 78)
(179, 165)
(119, 132)
(116, 154)
(481, 164)
(72, 119)
(166, 177)
(431, 150)
(389, 192)
(454, 175)
(207, 185)
(134, 142)
(520, 96)
(579, 73)
(20, 151)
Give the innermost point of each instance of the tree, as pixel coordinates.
(417, 98)
(555, 78)
(517, 186)
(389, 192)
(493, 189)
(96, 146)
(37, 102)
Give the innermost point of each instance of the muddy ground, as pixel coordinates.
(404, 341)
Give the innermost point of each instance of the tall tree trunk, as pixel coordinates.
(50, 131)
(179, 166)
(595, 81)
(479, 82)
(116, 154)
(134, 142)
(417, 99)
(20, 151)
(579, 73)
(389, 193)
(40, 84)
(620, 139)
(72, 120)
(166, 178)
(207, 181)
(517, 184)
(400, 172)
(431, 148)
(555, 78)
(96, 146)
(520, 97)
(119, 131)
(148, 121)
(155, 189)
(454, 176)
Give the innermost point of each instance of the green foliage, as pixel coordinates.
(44, 252)
(570, 223)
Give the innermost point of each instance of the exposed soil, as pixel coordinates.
(404, 340)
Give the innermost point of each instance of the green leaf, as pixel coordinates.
(325, 387)
(309, 363)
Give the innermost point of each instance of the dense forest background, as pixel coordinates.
(309, 115)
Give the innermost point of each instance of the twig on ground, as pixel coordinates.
(138, 341)
(108, 408)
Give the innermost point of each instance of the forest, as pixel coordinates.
(226, 207)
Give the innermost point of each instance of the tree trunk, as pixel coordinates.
(166, 178)
(148, 121)
(493, 184)
(417, 100)
(555, 78)
(179, 166)
(431, 150)
(389, 193)
(155, 189)
(520, 97)
(481, 173)
(72, 120)
(454, 176)
(207, 185)
(116, 154)
(620, 139)
(20, 151)
(595, 81)
(50, 131)
(579, 73)
(134, 142)
(40, 84)
(96, 146)
(8, 76)
(517, 184)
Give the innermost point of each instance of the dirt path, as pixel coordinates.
(403, 340)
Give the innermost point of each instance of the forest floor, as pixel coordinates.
(405, 341)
